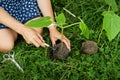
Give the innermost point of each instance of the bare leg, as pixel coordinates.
(7, 39)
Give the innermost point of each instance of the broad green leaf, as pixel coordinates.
(60, 19)
(39, 22)
(85, 31)
(111, 24)
(113, 4)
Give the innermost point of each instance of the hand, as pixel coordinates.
(55, 35)
(32, 37)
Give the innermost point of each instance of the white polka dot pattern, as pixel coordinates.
(21, 10)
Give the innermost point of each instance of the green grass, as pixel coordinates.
(37, 65)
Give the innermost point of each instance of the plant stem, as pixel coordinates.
(100, 35)
(109, 8)
(62, 32)
(80, 19)
(69, 12)
(71, 25)
(116, 45)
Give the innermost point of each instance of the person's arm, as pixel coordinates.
(28, 34)
(46, 9)
(9, 21)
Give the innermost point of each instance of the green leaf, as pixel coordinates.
(113, 4)
(85, 31)
(111, 24)
(39, 22)
(60, 19)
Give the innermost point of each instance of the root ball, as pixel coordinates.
(89, 47)
(61, 52)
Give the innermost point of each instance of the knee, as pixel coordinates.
(6, 47)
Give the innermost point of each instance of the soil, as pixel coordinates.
(61, 52)
(89, 47)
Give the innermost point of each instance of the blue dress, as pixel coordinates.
(21, 10)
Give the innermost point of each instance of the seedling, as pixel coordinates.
(45, 22)
(89, 47)
(111, 25)
(111, 21)
(83, 27)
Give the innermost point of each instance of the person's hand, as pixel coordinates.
(55, 35)
(32, 37)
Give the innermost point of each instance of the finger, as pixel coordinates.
(40, 37)
(53, 42)
(67, 43)
(35, 43)
(27, 41)
(38, 40)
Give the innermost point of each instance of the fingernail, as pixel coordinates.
(69, 49)
(43, 41)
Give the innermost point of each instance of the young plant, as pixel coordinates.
(111, 21)
(61, 52)
(89, 47)
(83, 27)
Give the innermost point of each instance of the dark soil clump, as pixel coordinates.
(61, 52)
(89, 47)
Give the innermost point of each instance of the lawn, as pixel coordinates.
(37, 65)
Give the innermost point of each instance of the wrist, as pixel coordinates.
(20, 29)
(52, 26)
